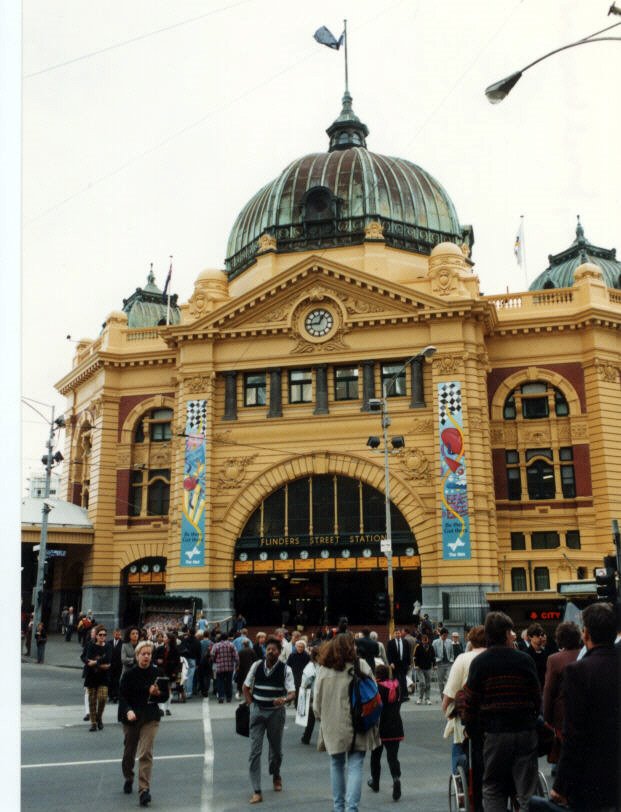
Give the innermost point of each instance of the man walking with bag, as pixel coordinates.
(267, 688)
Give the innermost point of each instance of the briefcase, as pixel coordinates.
(242, 720)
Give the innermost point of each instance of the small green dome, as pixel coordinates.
(147, 307)
(560, 272)
(324, 200)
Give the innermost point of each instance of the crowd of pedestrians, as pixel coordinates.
(502, 696)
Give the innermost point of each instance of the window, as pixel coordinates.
(300, 386)
(534, 401)
(155, 486)
(346, 383)
(254, 389)
(514, 483)
(518, 579)
(542, 578)
(326, 505)
(158, 492)
(518, 541)
(568, 480)
(540, 474)
(572, 539)
(159, 422)
(548, 540)
(393, 380)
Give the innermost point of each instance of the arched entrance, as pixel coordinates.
(310, 552)
(139, 579)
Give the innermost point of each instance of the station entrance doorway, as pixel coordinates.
(314, 599)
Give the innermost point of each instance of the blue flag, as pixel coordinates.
(325, 37)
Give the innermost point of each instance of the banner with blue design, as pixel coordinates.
(454, 491)
(194, 493)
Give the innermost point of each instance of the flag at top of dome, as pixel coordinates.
(324, 36)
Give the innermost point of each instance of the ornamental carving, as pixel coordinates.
(360, 306)
(475, 418)
(160, 456)
(607, 372)
(200, 383)
(579, 431)
(374, 231)
(304, 347)
(233, 471)
(415, 465)
(564, 432)
(497, 436)
(423, 425)
(444, 282)
(266, 243)
(318, 293)
(96, 408)
(123, 458)
(447, 364)
(197, 304)
(537, 437)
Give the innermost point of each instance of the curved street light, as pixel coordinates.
(499, 90)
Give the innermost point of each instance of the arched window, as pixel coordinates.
(535, 400)
(149, 482)
(326, 509)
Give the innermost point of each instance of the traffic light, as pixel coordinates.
(381, 607)
(606, 581)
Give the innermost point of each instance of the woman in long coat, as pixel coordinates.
(336, 731)
(96, 668)
(128, 649)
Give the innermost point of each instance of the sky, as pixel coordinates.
(146, 126)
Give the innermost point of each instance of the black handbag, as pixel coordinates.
(242, 720)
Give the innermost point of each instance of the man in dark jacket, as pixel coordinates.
(367, 649)
(400, 658)
(588, 770)
(502, 700)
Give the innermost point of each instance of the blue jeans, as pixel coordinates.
(190, 677)
(346, 790)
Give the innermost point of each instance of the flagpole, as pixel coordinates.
(169, 287)
(345, 43)
(524, 252)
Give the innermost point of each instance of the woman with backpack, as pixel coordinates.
(333, 709)
(390, 732)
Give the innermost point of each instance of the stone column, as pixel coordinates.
(230, 396)
(368, 384)
(275, 409)
(418, 392)
(321, 389)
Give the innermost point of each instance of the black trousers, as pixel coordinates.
(392, 751)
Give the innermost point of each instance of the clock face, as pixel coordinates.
(319, 322)
(144, 568)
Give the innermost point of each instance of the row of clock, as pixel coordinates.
(304, 554)
(144, 568)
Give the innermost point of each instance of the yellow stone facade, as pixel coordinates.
(386, 305)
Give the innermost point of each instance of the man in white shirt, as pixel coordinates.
(443, 648)
(267, 688)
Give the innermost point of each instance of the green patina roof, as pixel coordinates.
(146, 307)
(560, 272)
(326, 199)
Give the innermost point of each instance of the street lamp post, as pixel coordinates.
(48, 459)
(381, 405)
(497, 91)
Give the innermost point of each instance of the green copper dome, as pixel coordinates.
(147, 307)
(560, 272)
(325, 200)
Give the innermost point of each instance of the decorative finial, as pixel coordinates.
(151, 276)
(579, 232)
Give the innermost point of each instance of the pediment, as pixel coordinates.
(357, 297)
